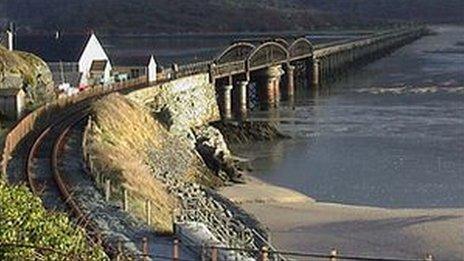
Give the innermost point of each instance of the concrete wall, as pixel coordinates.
(183, 103)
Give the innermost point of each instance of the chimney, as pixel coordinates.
(10, 39)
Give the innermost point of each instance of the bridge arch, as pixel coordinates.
(282, 42)
(234, 53)
(267, 54)
(301, 48)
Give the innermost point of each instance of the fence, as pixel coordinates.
(213, 253)
(141, 208)
(197, 206)
(45, 114)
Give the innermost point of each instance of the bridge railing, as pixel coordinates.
(225, 69)
(369, 38)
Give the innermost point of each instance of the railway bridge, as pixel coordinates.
(265, 65)
(270, 66)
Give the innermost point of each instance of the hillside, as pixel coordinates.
(25, 70)
(174, 16)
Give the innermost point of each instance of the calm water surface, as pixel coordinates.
(390, 134)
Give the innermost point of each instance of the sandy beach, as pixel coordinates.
(299, 223)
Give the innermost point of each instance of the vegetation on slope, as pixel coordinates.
(172, 16)
(29, 232)
(125, 140)
(27, 71)
(169, 16)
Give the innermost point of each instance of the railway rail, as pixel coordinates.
(47, 181)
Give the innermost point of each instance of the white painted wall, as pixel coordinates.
(10, 39)
(107, 73)
(20, 102)
(152, 70)
(92, 51)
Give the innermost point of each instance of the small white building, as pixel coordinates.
(12, 102)
(6, 39)
(69, 56)
(135, 66)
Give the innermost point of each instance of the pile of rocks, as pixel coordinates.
(198, 205)
(210, 144)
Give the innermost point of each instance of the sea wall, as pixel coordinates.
(181, 104)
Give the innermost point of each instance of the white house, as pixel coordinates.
(69, 56)
(93, 52)
(135, 66)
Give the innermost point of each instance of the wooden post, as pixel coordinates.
(148, 211)
(175, 250)
(125, 199)
(145, 248)
(107, 190)
(214, 253)
(263, 256)
(333, 254)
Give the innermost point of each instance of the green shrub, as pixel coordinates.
(29, 232)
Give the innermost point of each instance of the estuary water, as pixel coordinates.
(390, 134)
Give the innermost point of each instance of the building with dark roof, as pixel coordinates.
(69, 56)
(135, 66)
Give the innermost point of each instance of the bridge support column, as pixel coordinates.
(242, 98)
(290, 81)
(227, 102)
(316, 76)
(270, 87)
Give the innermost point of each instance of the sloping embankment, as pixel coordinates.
(125, 140)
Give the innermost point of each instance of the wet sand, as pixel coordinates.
(299, 223)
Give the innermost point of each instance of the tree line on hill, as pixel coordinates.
(180, 16)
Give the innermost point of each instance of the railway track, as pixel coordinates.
(36, 160)
(45, 179)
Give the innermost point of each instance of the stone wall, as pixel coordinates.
(181, 104)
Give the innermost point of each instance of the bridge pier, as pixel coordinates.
(227, 102)
(290, 72)
(269, 86)
(242, 101)
(316, 72)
